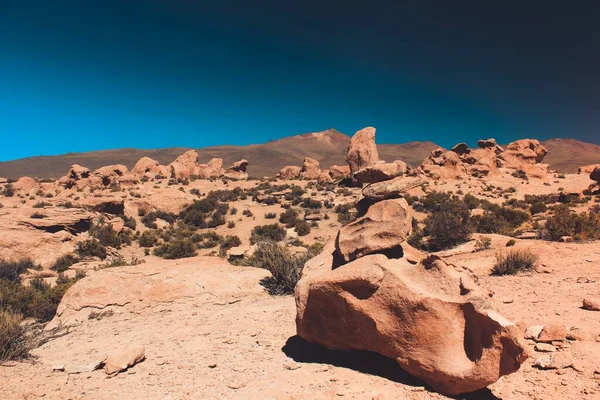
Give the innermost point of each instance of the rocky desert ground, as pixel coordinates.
(473, 275)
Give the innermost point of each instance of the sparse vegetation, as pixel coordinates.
(483, 243)
(272, 232)
(177, 248)
(91, 248)
(514, 262)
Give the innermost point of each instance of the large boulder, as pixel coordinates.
(528, 150)
(391, 189)
(184, 166)
(310, 169)
(147, 167)
(382, 229)
(75, 177)
(339, 172)
(587, 169)
(362, 151)
(237, 170)
(110, 174)
(26, 185)
(212, 169)
(490, 144)
(429, 317)
(380, 172)
(444, 165)
(290, 172)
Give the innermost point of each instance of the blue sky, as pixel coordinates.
(91, 75)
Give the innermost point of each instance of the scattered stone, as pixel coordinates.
(394, 188)
(544, 348)
(556, 360)
(124, 358)
(591, 304)
(58, 368)
(552, 333)
(533, 332)
(83, 368)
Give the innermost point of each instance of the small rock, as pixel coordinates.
(124, 358)
(578, 335)
(552, 333)
(83, 368)
(583, 279)
(533, 332)
(213, 365)
(554, 361)
(58, 368)
(235, 385)
(545, 348)
(292, 366)
(591, 304)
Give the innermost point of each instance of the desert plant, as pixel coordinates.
(14, 344)
(514, 262)
(511, 243)
(9, 190)
(289, 217)
(148, 239)
(63, 263)
(229, 242)
(178, 248)
(11, 269)
(483, 243)
(271, 232)
(302, 228)
(271, 215)
(38, 215)
(90, 248)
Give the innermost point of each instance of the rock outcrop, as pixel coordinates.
(149, 168)
(369, 290)
(26, 185)
(310, 169)
(525, 155)
(338, 172)
(110, 174)
(362, 151)
(237, 170)
(289, 172)
(383, 229)
(595, 175)
(184, 166)
(380, 172)
(212, 169)
(432, 319)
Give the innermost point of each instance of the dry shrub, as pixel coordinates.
(514, 262)
(14, 344)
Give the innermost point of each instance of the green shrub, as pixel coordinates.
(38, 215)
(285, 268)
(63, 263)
(178, 248)
(271, 232)
(271, 215)
(289, 218)
(10, 270)
(41, 204)
(302, 228)
(584, 226)
(537, 208)
(514, 262)
(148, 239)
(90, 248)
(307, 202)
(229, 242)
(511, 243)
(346, 213)
(9, 190)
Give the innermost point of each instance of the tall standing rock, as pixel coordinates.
(310, 169)
(362, 151)
(184, 165)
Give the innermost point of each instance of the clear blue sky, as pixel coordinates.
(88, 75)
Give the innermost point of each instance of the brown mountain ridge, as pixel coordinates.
(328, 147)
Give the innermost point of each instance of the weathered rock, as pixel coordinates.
(310, 169)
(544, 348)
(533, 332)
(324, 178)
(77, 172)
(591, 304)
(461, 148)
(430, 318)
(26, 185)
(73, 220)
(558, 360)
(290, 172)
(237, 170)
(240, 165)
(378, 172)
(147, 167)
(184, 166)
(124, 358)
(447, 165)
(362, 151)
(528, 150)
(490, 144)
(212, 169)
(339, 172)
(383, 229)
(393, 188)
(110, 174)
(552, 333)
(587, 169)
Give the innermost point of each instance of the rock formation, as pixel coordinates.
(110, 174)
(237, 170)
(525, 155)
(310, 169)
(149, 168)
(369, 290)
(26, 185)
(338, 172)
(595, 175)
(362, 151)
(380, 172)
(289, 172)
(184, 166)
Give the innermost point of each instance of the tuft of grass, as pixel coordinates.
(14, 344)
(514, 262)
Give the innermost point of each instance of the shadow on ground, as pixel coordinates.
(365, 362)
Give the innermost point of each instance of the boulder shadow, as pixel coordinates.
(365, 362)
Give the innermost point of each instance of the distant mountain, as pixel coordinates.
(328, 147)
(566, 155)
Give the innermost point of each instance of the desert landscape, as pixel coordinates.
(338, 268)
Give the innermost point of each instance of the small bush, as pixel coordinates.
(9, 190)
(271, 232)
(90, 248)
(229, 242)
(13, 340)
(10, 270)
(302, 228)
(41, 204)
(64, 262)
(289, 218)
(148, 239)
(514, 262)
(271, 215)
(178, 248)
(483, 243)
(37, 215)
(511, 243)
